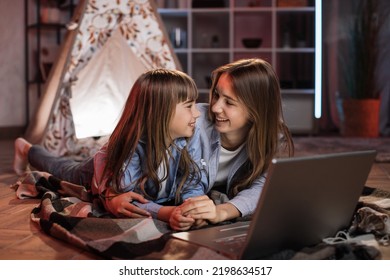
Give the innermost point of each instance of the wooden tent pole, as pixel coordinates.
(37, 126)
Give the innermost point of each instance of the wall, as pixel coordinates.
(12, 89)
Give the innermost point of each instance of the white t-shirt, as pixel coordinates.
(226, 159)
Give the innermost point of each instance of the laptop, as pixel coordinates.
(304, 200)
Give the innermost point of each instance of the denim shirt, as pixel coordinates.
(134, 168)
(246, 200)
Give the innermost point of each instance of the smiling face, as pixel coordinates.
(231, 115)
(183, 121)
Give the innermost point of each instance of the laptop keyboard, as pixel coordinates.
(233, 242)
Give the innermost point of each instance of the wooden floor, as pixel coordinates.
(22, 239)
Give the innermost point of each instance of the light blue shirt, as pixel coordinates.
(134, 169)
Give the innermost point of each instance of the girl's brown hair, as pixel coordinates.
(256, 85)
(146, 116)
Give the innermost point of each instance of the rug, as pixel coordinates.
(310, 145)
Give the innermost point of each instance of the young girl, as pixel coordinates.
(146, 155)
(241, 131)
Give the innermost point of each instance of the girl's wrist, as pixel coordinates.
(224, 212)
(219, 214)
(165, 212)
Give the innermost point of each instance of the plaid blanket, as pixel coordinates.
(69, 212)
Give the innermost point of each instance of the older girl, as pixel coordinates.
(242, 129)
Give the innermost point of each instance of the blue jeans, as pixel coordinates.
(64, 168)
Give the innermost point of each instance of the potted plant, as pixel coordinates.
(358, 62)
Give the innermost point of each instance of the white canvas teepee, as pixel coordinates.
(108, 45)
(102, 86)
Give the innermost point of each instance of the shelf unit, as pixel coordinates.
(207, 34)
(44, 29)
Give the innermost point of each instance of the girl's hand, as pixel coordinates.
(203, 208)
(200, 208)
(199, 223)
(121, 205)
(179, 222)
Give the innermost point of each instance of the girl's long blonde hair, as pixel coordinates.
(146, 116)
(257, 86)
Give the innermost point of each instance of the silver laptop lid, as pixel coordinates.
(306, 199)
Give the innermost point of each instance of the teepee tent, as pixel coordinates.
(108, 44)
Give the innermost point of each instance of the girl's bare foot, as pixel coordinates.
(20, 158)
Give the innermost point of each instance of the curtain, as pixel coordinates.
(330, 120)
